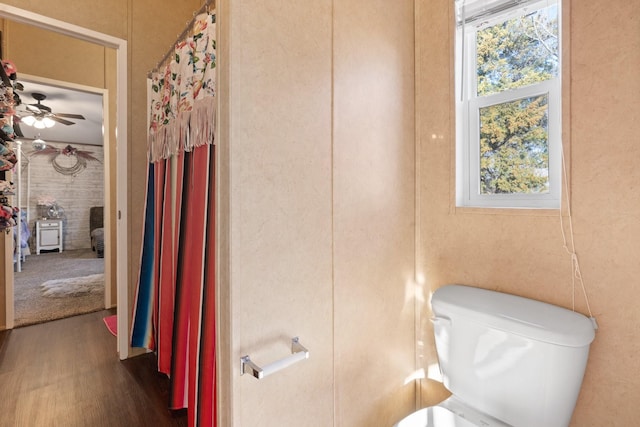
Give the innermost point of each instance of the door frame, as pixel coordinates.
(122, 257)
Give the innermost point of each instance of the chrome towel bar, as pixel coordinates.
(298, 353)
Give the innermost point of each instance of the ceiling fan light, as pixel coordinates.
(29, 120)
(38, 144)
(48, 122)
(39, 124)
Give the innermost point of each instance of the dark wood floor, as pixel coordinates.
(67, 373)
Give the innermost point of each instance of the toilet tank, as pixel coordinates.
(520, 360)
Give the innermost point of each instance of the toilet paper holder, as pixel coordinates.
(298, 353)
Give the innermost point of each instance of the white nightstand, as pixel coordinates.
(48, 235)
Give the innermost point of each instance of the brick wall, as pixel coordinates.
(75, 194)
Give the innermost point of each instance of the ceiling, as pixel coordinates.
(65, 100)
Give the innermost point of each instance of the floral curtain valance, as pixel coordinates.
(183, 94)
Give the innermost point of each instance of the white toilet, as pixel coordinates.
(508, 360)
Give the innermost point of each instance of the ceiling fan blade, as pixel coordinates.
(40, 107)
(59, 120)
(32, 108)
(70, 116)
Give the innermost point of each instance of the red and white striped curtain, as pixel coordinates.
(174, 311)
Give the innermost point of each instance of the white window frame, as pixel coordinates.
(468, 105)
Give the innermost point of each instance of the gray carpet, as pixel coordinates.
(31, 306)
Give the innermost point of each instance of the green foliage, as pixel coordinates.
(513, 147)
(514, 154)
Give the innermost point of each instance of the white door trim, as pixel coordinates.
(120, 45)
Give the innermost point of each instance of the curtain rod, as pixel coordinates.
(204, 7)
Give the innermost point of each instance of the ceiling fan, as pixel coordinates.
(44, 114)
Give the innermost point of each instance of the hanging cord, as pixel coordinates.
(576, 274)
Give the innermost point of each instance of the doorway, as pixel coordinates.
(115, 216)
(58, 268)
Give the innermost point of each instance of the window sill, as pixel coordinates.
(463, 210)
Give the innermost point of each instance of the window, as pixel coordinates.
(508, 104)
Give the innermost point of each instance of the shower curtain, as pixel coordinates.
(174, 308)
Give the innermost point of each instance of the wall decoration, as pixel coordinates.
(76, 168)
(72, 197)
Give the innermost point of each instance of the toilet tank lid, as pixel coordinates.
(533, 319)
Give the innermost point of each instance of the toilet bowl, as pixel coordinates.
(450, 413)
(507, 360)
(434, 416)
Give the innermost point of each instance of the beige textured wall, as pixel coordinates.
(108, 17)
(279, 164)
(55, 56)
(605, 149)
(373, 211)
(522, 252)
(318, 188)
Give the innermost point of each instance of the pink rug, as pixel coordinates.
(112, 324)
